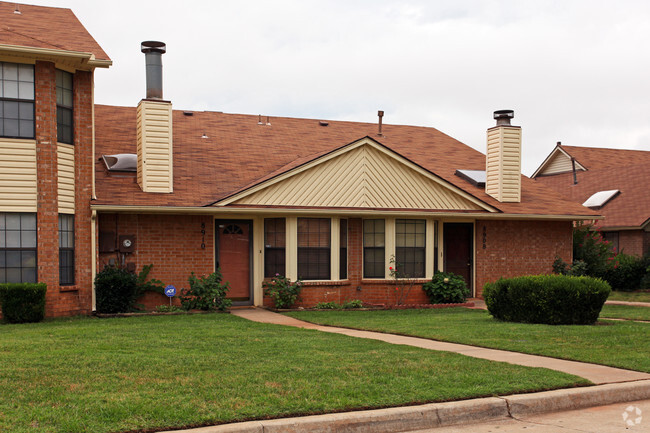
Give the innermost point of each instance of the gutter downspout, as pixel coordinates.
(93, 257)
(93, 195)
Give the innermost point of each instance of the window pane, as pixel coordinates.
(28, 259)
(26, 73)
(314, 248)
(343, 253)
(274, 246)
(26, 111)
(10, 89)
(28, 239)
(13, 259)
(28, 275)
(25, 90)
(10, 110)
(11, 128)
(10, 71)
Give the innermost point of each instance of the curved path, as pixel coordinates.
(598, 374)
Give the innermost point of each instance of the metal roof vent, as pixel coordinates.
(121, 162)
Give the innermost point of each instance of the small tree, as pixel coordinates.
(403, 281)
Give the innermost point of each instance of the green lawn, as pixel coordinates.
(163, 372)
(629, 296)
(619, 344)
(625, 312)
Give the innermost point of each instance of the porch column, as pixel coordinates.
(292, 249)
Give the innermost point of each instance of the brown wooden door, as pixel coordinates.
(233, 256)
(458, 251)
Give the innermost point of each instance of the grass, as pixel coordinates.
(154, 373)
(626, 312)
(629, 296)
(618, 344)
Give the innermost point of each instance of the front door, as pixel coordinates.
(234, 258)
(458, 251)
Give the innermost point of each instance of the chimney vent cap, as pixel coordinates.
(153, 47)
(503, 116)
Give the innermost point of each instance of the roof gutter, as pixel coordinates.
(202, 210)
(87, 58)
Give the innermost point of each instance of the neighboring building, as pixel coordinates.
(613, 182)
(330, 202)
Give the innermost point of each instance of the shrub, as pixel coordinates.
(23, 302)
(589, 247)
(353, 303)
(549, 299)
(283, 292)
(446, 288)
(168, 308)
(206, 293)
(151, 285)
(115, 290)
(327, 306)
(627, 273)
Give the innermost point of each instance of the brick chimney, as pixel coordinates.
(503, 162)
(154, 120)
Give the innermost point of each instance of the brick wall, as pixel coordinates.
(513, 248)
(632, 242)
(63, 300)
(172, 243)
(47, 215)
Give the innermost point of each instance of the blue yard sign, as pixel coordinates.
(170, 291)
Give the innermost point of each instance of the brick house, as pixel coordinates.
(613, 182)
(330, 202)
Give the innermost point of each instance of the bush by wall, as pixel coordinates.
(206, 292)
(115, 290)
(446, 288)
(23, 302)
(549, 299)
(627, 272)
(282, 290)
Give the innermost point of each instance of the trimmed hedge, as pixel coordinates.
(23, 302)
(549, 299)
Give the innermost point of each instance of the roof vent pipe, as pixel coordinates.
(153, 51)
(503, 116)
(380, 114)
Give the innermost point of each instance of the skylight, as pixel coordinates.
(600, 198)
(475, 177)
(121, 162)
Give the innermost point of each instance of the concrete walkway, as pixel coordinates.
(597, 374)
(632, 304)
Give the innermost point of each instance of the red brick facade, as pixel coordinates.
(76, 299)
(511, 248)
(172, 243)
(635, 242)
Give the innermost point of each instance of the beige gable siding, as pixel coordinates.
(65, 157)
(503, 178)
(560, 163)
(18, 175)
(155, 164)
(364, 177)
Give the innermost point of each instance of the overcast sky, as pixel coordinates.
(573, 71)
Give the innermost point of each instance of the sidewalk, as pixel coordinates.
(598, 374)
